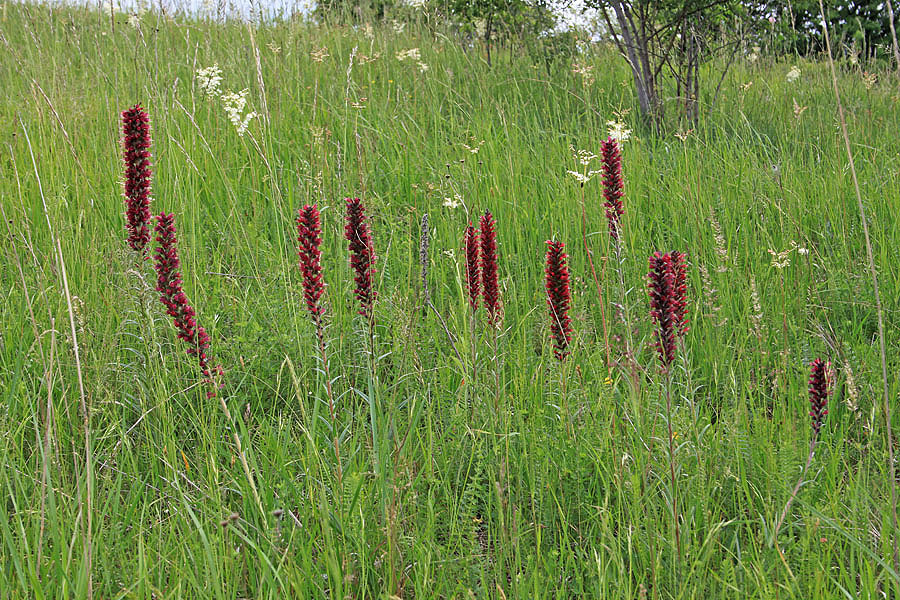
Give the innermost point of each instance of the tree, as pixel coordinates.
(668, 41)
(858, 26)
(499, 20)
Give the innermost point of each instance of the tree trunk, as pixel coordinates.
(638, 60)
(890, 8)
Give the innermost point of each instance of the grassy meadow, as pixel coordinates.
(513, 476)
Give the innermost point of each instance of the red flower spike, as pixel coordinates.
(169, 285)
(489, 282)
(362, 255)
(558, 298)
(309, 238)
(668, 307)
(818, 393)
(473, 283)
(136, 147)
(679, 267)
(613, 186)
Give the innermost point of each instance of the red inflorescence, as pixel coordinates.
(613, 186)
(558, 298)
(818, 393)
(473, 282)
(362, 255)
(668, 307)
(679, 302)
(169, 285)
(136, 145)
(309, 236)
(489, 282)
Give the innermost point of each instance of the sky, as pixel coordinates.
(570, 12)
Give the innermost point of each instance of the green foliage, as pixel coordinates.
(859, 29)
(561, 490)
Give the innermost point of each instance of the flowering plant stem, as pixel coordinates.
(496, 360)
(332, 405)
(634, 367)
(590, 259)
(787, 506)
(668, 390)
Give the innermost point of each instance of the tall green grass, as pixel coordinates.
(442, 496)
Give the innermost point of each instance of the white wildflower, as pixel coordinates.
(209, 79)
(802, 251)
(793, 75)
(416, 3)
(453, 202)
(618, 130)
(449, 254)
(398, 26)
(134, 21)
(412, 53)
(234, 104)
(754, 54)
(242, 126)
(583, 178)
(585, 157)
(422, 66)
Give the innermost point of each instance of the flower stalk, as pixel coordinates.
(668, 310)
(362, 260)
(309, 239)
(172, 296)
(819, 390)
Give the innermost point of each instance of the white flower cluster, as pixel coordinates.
(453, 202)
(209, 79)
(793, 75)
(584, 158)
(412, 53)
(618, 131)
(234, 104)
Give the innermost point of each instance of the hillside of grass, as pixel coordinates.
(470, 462)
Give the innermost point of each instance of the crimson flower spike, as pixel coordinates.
(473, 283)
(558, 298)
(679, 268)
(169, 285)
(613, 186)
(489, 283)
(668, 307)
(818, 393)
(362, 255)
(309, 238)
(136, 149)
